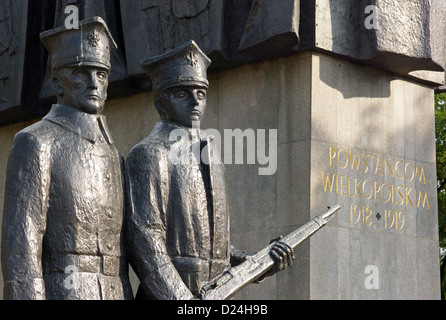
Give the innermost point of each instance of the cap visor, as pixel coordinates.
(85, 64)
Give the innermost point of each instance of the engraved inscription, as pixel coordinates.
(370, 178)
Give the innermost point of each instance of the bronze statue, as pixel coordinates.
(178, 215)
(64, 198)
(109, 12)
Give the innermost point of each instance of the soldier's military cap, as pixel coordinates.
(89, 45)
(184, 65)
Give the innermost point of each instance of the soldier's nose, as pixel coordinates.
(194, 99)
(93, 81)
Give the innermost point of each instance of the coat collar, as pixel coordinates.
(172, 134)
(88, 126)
(165, 127)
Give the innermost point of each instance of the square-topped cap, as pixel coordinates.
(90, 45)
(184, 65)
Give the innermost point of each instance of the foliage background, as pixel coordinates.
(440, 129)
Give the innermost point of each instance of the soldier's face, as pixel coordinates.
(84, 88)
(185, 105)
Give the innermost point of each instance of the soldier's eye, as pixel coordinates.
(201, 94)
(102, 75)
(79, 75)
(79, 72)
(180, 94)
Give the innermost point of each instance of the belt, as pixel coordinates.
(106, 265)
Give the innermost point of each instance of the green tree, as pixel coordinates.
(440, 130)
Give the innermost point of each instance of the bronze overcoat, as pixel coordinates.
(64, 211)
(178, 216)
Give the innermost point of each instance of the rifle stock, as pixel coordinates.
(226, 285)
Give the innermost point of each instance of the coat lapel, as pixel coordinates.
(88, 126)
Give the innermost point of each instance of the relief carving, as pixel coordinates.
(8, 45)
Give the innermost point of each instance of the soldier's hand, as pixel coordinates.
(282, 254)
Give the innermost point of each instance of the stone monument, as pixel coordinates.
(319, 102)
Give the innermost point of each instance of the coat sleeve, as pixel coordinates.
(147, 179)
(24, 218)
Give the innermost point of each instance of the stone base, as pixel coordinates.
(373, 135)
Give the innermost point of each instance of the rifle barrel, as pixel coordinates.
(236, 278)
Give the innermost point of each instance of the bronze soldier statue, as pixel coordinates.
(178, 215)
(64, 198)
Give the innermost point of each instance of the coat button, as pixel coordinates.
(109, 213)
(101, 139)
